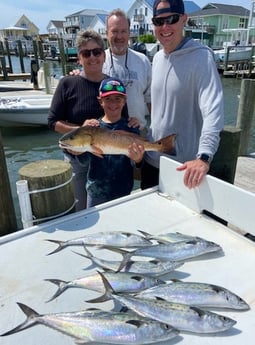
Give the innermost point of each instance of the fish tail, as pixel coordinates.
(88, 254)
(167, 144)
(146, 234)
(108, 291)
(30, 321)
(61, 245)
(62, 286)
(126, 256)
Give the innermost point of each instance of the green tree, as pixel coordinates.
(147, 38)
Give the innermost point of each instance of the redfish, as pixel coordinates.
(102, 141)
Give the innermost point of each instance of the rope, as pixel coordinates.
(51, 188)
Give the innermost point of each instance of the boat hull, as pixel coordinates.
(24, 111)
(235, 55)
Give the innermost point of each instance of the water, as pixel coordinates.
(25, 145)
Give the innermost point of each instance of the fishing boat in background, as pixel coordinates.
(24, 110)
(236, 49)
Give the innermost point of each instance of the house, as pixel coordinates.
(98, 24)
(140, 14)
(83, 20)
(55, 28)
(24, 31)
(215, 24)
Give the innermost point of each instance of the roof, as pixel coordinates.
(88, 12)
(102, 17)
(18, 28)
(220, 9)
(190, 6)
(57, 23)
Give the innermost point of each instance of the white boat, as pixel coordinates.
(236, 49)
(233, 54)
(169, 207)
(24, 110)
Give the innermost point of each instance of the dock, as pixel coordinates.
(16, 76)
(245, 172)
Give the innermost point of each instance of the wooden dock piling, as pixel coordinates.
(246, 113)
(8, 222)
(50, 185)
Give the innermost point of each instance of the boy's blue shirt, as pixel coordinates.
(111, 177)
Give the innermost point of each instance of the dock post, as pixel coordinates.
(225, 160)
(34, 74)
(50, 188)
(7, 48)
(21, 55)
(245, 113)
(47, 78)
(62, 55)
(4, 68)
(8, 221)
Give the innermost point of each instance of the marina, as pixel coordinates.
(24, 145)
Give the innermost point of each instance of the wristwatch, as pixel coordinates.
(205, 158)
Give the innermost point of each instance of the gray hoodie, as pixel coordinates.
(187, 99)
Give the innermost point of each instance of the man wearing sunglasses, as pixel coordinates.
(186, 97)
(133, 68)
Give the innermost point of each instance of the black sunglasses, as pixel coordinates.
(172, 19)
(87, 52)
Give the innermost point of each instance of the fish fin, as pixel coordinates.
(146, 234)
(97, 151)
(83, 255)
(129, 134)
(125, 254)
(108, 291)
(61, 245)
(125, 260)
(30, 321)
(62, 286)
(136, 323)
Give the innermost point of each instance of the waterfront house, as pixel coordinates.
(214, 23)
(82, 20)
(140, 14)
(55, 28)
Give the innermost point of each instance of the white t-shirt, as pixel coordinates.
(134, 70)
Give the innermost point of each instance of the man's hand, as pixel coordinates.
(194, 172)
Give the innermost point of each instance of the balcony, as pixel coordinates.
(138, 18)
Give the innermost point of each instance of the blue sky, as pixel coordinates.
(40, 12)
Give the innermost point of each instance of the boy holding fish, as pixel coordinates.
(111, 176)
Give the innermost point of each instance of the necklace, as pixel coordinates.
(126, 78)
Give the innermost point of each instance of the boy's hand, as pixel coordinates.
(136, 152)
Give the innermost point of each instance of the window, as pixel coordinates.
(241, 23)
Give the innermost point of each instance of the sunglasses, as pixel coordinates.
(86, 53)
(172, 19)
(111, 87)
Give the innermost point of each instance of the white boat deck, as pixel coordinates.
(24, 264)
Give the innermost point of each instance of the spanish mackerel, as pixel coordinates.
(170, 237)
(120, 281)
(153, 268)
(181, 316)
(177, 251)
(196, 294)
(99, 326)
(110, 238)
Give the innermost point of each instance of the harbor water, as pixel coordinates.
(25, 145)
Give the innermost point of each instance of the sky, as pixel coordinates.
(41, 12)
